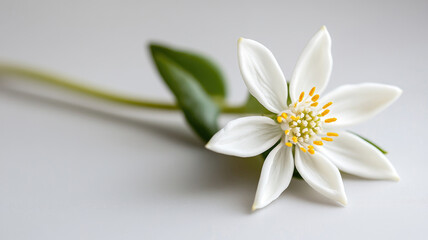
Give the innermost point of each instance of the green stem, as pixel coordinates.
(93, 92)
(233, 109)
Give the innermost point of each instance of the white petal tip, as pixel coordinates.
(324, 28)
(243, 40)
(212, 147)
(395, 178)
(209, 146)
(254, 208)
(392, 176)
(257, 206)
(397, 91)
(343, 201)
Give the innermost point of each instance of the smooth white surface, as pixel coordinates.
(322, 175)
(353, 155)
(357, 103)
(246, 136)
(70, 173)
(275, 177)
(313, 68)
(262, 75)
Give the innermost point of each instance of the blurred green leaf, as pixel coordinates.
(296, 174)
(372, 143)
(199, 109)
(253, 106)
(201, 68)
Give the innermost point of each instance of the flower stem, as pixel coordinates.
(62, 82)
(233, 109)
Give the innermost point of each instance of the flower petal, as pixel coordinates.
(353, 155)
(321, 175)
(276, 175)
(246, 137)
(262, 75)
(355, 103)
(313, 69)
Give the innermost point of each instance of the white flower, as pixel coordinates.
(309, 129)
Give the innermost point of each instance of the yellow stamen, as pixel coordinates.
(294, 139)
(327, 105)
(325, 112)
(332, 134)
(329, 120)
(279, 119)
(287, 131)
(284, 115)
(294, 118)
(319, 143)
(295, 104)
(315, 98)
(303, 149)
(327, 139)
(314, 104)
(311, 151)
(301, 96)
(310, 147)
(288, 144)
(312, 91)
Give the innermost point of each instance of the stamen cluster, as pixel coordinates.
(303, 122)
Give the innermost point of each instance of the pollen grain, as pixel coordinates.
(329, 120)
(315, 98)
(327, 105)
(332, 134)
(325, 112)
(302, 95)
(311, 93)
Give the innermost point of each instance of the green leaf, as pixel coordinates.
(198, 108)
(372, 143)
(200, 67)
(253, 106)
(296, 174)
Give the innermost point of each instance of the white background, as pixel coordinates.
(69, 172)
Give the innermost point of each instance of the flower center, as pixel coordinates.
(303, 123)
